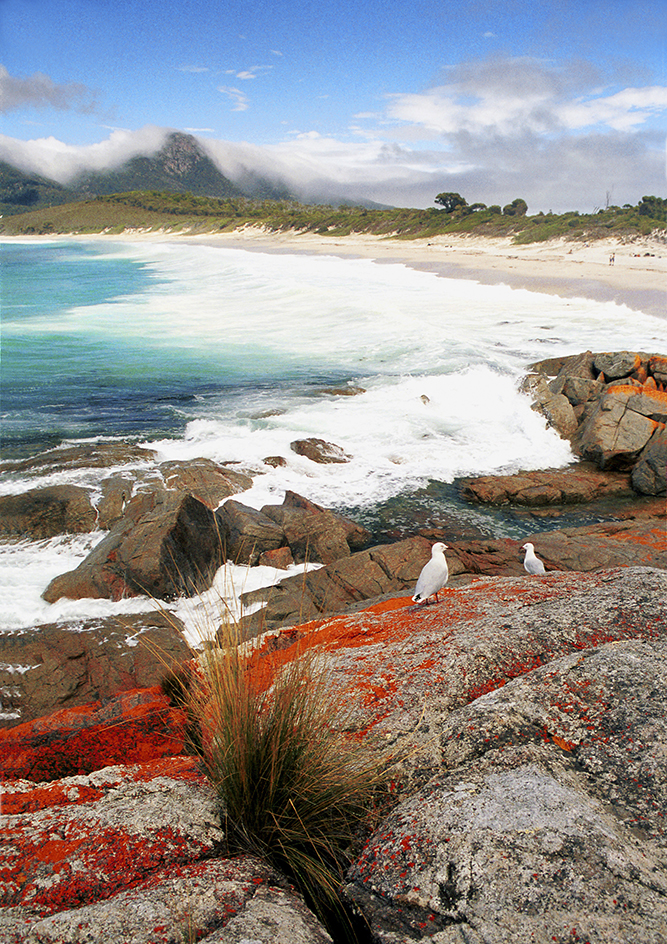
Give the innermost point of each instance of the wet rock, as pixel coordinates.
(207, 481)
(95, 455)
(648, 475)
(116, 495)
(246, 533)
(163, 546)
(276, 462)
(63, 665)
(133, 727)
(45, 512)
(581, 483)
(318, 450)
(559, 414)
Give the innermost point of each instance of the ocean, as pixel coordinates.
(229, 354)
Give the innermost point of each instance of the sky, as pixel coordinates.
(560, 102)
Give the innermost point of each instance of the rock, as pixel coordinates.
(133, 727)
(94, 455)
(45, 512)
(160, 547)
(611, 544)
(216, 900)
(246, 533)
(319, 451)
(616, 365)
(577, 484)
(531, 832)
(63, 665)
(116, 495)
(365, 575)
(657, 366)
(618, 429)
(559, 413)
(280, 558)
(580, 390)
(648, 475)
(276, 462)
(314, 533)
(208, 482)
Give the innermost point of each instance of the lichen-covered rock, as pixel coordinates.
(581, 483)
(45, 512)
(133, 727)
(532, 831)
(61, 665)
(219, 900)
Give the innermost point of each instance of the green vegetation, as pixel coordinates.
(179, 212)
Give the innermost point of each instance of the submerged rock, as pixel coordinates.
(45, 512)
(319, 451)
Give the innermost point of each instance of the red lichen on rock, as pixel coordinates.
(135, 727)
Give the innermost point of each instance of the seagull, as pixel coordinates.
(433, 576)
(532, 563)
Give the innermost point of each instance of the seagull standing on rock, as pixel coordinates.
(531, 562)
(433, 577)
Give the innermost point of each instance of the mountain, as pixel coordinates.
(20, 192)
(180, 166)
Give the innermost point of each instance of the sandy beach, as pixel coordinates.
(637, 278)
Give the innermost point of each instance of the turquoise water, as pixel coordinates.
(82, 357)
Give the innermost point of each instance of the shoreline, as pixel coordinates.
(638, 278)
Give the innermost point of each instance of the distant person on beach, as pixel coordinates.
(612, 258)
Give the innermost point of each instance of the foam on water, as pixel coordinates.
(227, 354)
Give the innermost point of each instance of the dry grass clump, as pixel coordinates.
(295, 789)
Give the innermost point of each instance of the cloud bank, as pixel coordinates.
(560, 135)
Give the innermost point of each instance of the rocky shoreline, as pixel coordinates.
(531, 804)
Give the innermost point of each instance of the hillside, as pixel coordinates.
(185, 211)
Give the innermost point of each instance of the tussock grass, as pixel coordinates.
(295, 789)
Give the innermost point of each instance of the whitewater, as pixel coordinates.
(211, 351)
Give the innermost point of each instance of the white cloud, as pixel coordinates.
(250, 73)
(40, 91)
(522, 95)
(239, 98)
(194, 69)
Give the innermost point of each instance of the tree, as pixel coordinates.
(450, 201)
(517, 207)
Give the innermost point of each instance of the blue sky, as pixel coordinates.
(563, 102)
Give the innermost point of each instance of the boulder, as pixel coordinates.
(313, 533)
(617, 430)
(280, 558)
(133, 727)
(648, 475)
(617, 364)
(246, 533)
(319, 451)
(45, 512)
(163, 546)
(61, 665)
(532, 830)
(209, 482)
(657, 366)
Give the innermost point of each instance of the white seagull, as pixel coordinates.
(531, 562)
(433, 577)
